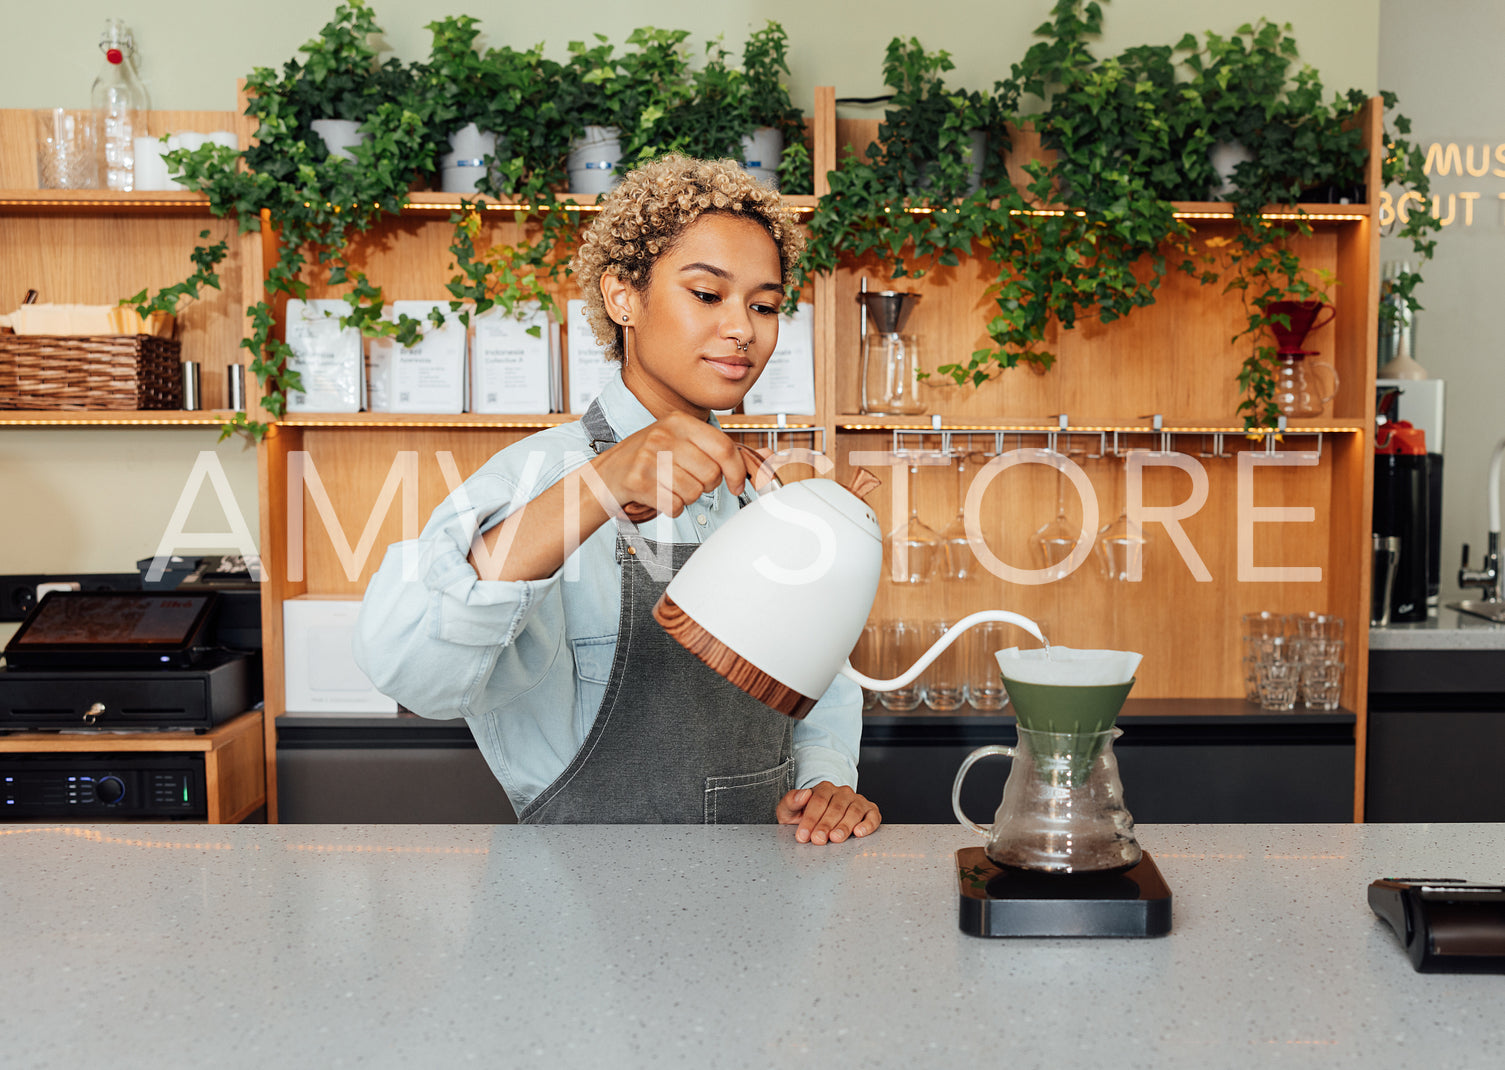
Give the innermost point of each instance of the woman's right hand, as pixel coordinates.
(697, 458)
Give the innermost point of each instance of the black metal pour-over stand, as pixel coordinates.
(1002, 901)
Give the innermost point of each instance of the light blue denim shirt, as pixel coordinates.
(526, 663)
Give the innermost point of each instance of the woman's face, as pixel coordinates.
(702, 331)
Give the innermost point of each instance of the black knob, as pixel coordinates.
(109, 790)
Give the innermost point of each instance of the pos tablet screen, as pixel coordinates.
(112, 629)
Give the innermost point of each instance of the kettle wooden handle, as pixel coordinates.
(754, 461)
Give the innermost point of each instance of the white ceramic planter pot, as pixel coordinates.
(761, 151)
(1224, 157)
(594, 162)
(462, 169)
(340, 135)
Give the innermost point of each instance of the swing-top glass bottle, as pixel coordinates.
(119, 105)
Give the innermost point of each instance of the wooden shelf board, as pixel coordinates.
(105, 740)
(103, 201)
(858, 422)
(458, 420)
(1336, 213)
(427, 201)
(113, 418)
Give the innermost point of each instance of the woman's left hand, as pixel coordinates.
(828, 813)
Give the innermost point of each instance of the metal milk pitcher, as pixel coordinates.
(1063, 808)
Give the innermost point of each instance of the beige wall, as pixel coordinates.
(1443, 60)
(97, 500)
(190, 54)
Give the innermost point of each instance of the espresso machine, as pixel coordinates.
(1421, 403)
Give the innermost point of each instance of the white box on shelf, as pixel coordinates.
(589, 370)
(510, 369)
(428, 376)
(326, 356)
(319, 669)
(788, 382)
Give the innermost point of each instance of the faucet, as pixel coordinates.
(1487, 579)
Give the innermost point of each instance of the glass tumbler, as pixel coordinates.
(943, 679)
(1322, 684)
(67, 149)
(1279, 682)
(984, 683)
(900, 644)
(1316, 626)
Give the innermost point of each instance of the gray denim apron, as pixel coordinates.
(672, 742)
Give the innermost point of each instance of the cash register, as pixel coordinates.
(124, 660)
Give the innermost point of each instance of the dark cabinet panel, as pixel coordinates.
(1192, 762)
(1435, 765)
(393, 772)
(1163, 783)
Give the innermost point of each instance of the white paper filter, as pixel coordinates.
(1064, 665)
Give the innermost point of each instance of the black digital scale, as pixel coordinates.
(1003, 901)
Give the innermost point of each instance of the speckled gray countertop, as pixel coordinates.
(1448, 630)
(602, 947)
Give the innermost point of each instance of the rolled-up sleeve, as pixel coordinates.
(433, 635)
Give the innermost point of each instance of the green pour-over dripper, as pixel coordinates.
(1077, 714)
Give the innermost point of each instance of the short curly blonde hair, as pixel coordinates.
(643, 217)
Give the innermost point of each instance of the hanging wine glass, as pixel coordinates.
(1055, 540)
(958, 562)
(1120, 545)
(913, 546)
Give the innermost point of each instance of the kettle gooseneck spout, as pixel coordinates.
(987, 616)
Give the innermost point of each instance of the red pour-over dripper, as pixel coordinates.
(1303, 319)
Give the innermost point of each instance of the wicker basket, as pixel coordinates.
(133, 371)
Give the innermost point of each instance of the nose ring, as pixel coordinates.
(742, 346)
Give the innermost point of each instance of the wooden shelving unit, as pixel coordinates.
(1173, 359)
(235, 784)
(95, 247)
(98, 246)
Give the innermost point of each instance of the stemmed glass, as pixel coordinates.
(1120, 545)
(958, 561)
(914, 546)
(1055, 540)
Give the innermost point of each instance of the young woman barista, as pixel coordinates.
(525, 606)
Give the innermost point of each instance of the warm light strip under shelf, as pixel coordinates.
(1084, 429)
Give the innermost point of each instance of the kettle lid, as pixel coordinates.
(1399, 436)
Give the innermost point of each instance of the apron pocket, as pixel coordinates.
(748, 798)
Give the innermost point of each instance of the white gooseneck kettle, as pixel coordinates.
(777, 597)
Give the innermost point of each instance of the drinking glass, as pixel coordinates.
(943, 679)
(900, 644)
(1055, 540)
(914, 546)
(958, 562)
(67, 149)
(1120, 546)
(984, 684)
(1278, 684)
(1263, 624)
(1321, 684)
(1313, 625)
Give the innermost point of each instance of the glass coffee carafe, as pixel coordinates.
(1063, 805)
(890, 358)
(1299, 390)
(1063, 808)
